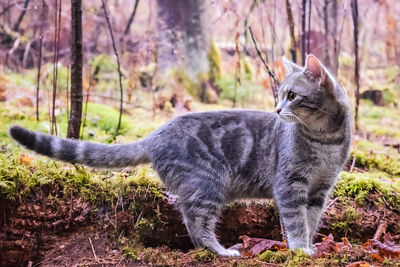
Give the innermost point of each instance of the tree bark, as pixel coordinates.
(74, 122)
(354, 9)
(183, 37)
(309, 27)
(327, 59)
(335, 40)
(293, 49)
(303, 32)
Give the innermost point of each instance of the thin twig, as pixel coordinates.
(283, 232)
(8, 7)
(381, 228)
(40, 60)
(67, 90)
(128, 26)
(94, 252)
(270, 73)
(86, 106)
(237, 69)
(331, 203)
(21, 16)
(119, 66)
(353, 163)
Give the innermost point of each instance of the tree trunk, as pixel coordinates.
(74, 122)
(327, 60)
(354, 9)
(335, 60)
(183, 39)
(289, 13)
(303, 32)
(309, 27)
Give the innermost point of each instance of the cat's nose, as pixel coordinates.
(278, 110)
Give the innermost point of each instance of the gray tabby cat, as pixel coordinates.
(212, 158)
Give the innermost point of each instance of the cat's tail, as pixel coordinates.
(90, 154)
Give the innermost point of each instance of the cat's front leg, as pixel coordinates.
(316, 203)
(291, 196)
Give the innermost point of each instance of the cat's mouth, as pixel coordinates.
(287, 116)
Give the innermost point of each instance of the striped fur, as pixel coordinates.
(211, 158)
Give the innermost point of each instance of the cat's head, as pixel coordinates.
(309, 94)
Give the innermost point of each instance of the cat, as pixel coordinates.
(293, 155)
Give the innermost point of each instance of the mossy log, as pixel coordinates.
(31, 227)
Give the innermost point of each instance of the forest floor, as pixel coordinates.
(56, 214)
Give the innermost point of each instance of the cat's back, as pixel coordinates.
(217, 139)
(216, 122)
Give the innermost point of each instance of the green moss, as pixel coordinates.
(204, 255)
(273, 257)
(377, 157)
(360, 185)
(105, 118)
(246, 90)
(247, 69)
(391, 263)
(196, 87)
(19, 178)
(344, 224)
(130, 253)
(102, 62)
(298, 258)
(214, 59)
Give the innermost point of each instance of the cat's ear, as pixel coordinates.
(290, 67)
(316, 70)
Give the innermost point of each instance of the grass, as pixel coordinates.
(380, 121)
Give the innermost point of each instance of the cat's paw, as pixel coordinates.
(228, 253)
(308, 251)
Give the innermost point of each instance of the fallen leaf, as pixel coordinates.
(327, 246)
(256, 246)
(358, 264)
(379, 250)
(392, 251)
(23, 158)
(346, 242)
(388, 240)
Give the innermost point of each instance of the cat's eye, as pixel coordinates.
(291, 95)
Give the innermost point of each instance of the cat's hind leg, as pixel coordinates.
(200, 213)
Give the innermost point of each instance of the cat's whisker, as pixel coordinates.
(301, 121)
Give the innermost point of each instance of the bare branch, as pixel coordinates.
(119, 66)
(270, 73)
(128, 26)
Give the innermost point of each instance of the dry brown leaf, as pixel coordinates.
(379, 250)
(23, 158)
(392, 251)
(256, 246)
(358, 264)
(388, 240)
(328, 245)
(346, 242)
